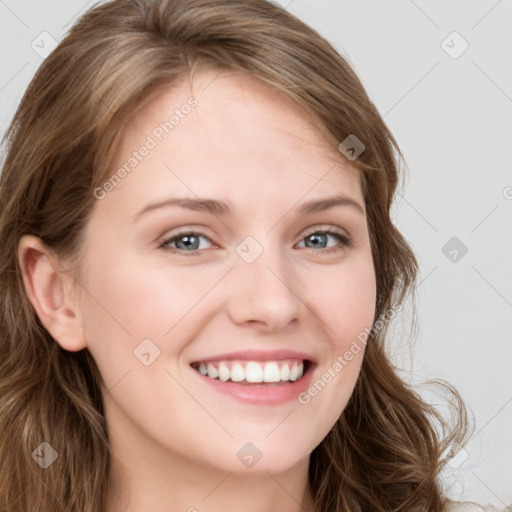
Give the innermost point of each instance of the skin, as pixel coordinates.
(175, 440)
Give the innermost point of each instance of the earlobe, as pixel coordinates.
(50, 293)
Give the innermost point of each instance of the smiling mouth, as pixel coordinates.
(254, 372)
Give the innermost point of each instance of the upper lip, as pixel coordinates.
(257, 355)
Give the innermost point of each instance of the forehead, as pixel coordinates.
(241, 138)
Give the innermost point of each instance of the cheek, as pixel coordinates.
(347, 310)
(132, 300)
(123, 307)
(129, 302)
(348, 301)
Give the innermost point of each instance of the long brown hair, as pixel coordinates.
(386, 450)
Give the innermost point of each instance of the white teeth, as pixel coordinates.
(237, 373)
(224, 373)
(252, 371)
(271, 373)
(212, 371)
(294, 372)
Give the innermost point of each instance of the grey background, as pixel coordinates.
(452, 119)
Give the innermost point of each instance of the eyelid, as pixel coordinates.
(326, 228)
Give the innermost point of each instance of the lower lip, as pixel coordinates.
(263, 394)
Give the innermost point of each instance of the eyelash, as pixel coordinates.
(345, 240)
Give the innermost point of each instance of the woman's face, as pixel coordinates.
(208, 253)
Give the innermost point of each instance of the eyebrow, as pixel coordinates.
(221, 208)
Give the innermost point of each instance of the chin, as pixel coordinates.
(263, 456)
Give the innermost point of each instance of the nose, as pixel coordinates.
(263, 292)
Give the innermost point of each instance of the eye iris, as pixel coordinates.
(188, 243)
(315, 239)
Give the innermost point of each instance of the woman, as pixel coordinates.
(174, 334)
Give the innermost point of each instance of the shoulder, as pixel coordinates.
(463, 506)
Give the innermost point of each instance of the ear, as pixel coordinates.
(51, 293)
